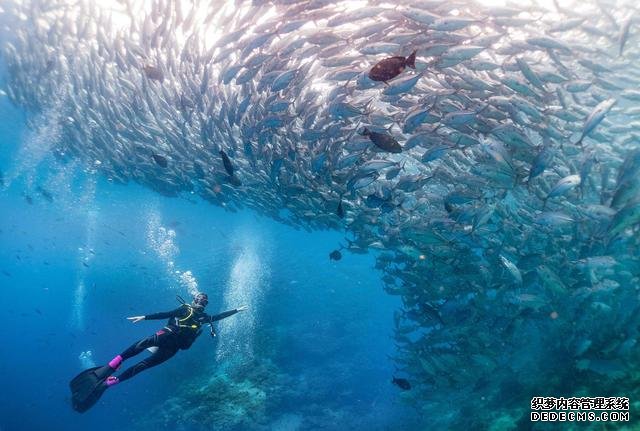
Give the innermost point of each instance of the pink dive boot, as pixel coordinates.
(115, 362)
(112, 380)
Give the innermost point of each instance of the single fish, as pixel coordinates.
(383, 141)
(595, 117)
(624, 34)
(391, 67)
(362, 180)
(401, 383)
(160, 160)
(563, 186)
(335, 255)
(403, 85)
(394, 172)
(377, 165)
(227, 163)
(512, 268)
(45, 194)
(153, 73)
(540, 163)
(553, 219)
(340, 209)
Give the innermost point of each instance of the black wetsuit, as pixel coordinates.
(181, 331)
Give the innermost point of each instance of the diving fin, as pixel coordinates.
(88, 386)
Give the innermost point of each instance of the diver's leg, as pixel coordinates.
(136, 348)
(161, 355)
(140, 346)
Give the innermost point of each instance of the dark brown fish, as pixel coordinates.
(335, 255)
(401, 383)
(340, 209)
(383, 141)
(160, 160)
(391, 67)
(45, 194)
(154, 73)
(227, 163)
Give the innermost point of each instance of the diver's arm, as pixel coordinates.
(178, 312)
(227, 313)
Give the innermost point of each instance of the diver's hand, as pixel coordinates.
(242, 308)
(135, 319)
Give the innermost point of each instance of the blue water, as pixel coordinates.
(74, 268)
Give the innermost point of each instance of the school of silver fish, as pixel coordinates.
(499, 179)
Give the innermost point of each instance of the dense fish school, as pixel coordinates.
(496, 169)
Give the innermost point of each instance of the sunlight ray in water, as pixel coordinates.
(246, 285)
(79, 293)
(86, 253)
(162, 241)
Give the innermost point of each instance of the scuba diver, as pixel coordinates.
(182, 329)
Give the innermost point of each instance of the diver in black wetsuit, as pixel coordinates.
(182, 329)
